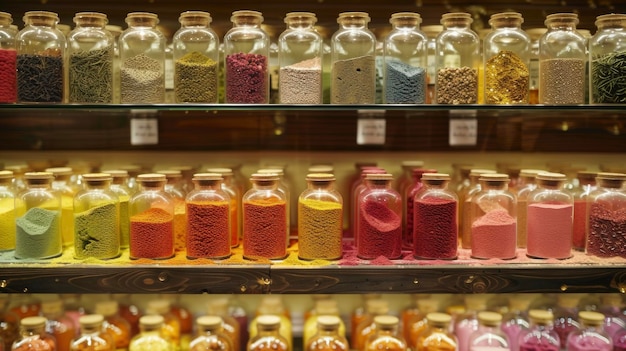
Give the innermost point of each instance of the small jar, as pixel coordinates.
(234, 328)
(472, 188)
(458, 58)
(62, 185)
(591, 335)
(246, 60)
(488, 334)
(379, 219)
(607, 50)
(494, 219)
(300, 50)
(8, 59)
(535, 34)
(63, 328)
(541, 334)
(328, 336)
(409, 205)
(149, 337)
(40, 58)
(120, 188)
(387, 335)
(365, 326)
(174, 187)
(142, 60)
(405, 50)
(33, 336)
(586, 184)
(90, 60)
(264, 219)
(210, 335)
(117, 327)
(606, 220)
(234, 192)
(208, 218)
(549, 219)
(320, 219)
(435, 229)
(7, 211)
(92, 336)
(38, 218)
(431, 32)
(96, 219)
(357, 188)
(437, 336)
(506, 60)
(353, 61)
(267, 333)
(151, 219)
(171, 327)
(196, 59)
(562, 60)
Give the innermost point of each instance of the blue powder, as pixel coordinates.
(404, 84)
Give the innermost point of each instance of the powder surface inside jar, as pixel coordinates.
(265, 229)
(301, 83)
(96, 233)
(353, 81)
(550, 229)
(8, 75)
(152, 234)
(195, 78)
(435, 227)
(320, 229)
(404, 83)
(379, 231)
(38, 234)
(494, 235)
(208, 229)
(7, 224)
(607, 231)
(246, 78)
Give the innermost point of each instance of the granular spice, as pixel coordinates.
(124, 221)
(457, 85)
(404, 84)
(580, 224)
(436, 230)
(562, 81)
(40, 77)
(8, 75)
(91, 76)
(142, 80)
(208, 233)
(379, 231)
(180, 224)
(7, 224)
(607, 231)
(506, 79)
(234, 222)
(195, 78)
(264, 229)
(301, 83)
(67, 220)
(37, 234)
(494, 235)
(608, 78)
(152, 234)
(246, 79)
(320, 228)
(96, 234)
(549, 230)
(353, 81)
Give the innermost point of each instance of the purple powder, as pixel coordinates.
(246, 79)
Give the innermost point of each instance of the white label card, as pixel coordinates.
(371, 131)
(463, 131)
(144, 131)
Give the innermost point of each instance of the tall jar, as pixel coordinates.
(405, 50)
(61, 184)
(210, 335)
(33, 336)
(437, 336)
(607, 52)
(586, 184)
(119, 188)
(58, 324)
(142, 60)
(527, 183)
(541, 334)
(494, 219)
(320, 219)
(115, 31)
(38, 218)
(234, 192)
(246, 60)
(92, 336)
(117, 327)
(174, 187)
(196, 59)
(506, 60)
(431, 32)
(328, 336)
(549, 219)
(409, 205)
(473, 187)
(387, 335)
(562, 60)
(458, 58)
(7, 211)
(90, 60)
(353, 61)
(300, 50)
(149, 337)
(606, 220)
(151, 219)
(8, 59)
(40, 58)
(533, 91)
(591, 335)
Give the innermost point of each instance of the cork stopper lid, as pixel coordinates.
(91, 320)
(225, 172)
(377, 306)
(151, 320)
(33, 322)
(158, 306)
(321, 169)
(477, 172)
(428, 305)
(171, 174)
(435, 177)
(591, 318)
(326, 307)
(209, 322)
(386, 321)
(320, 177)
(529, 172)
(264, 177)
(207, 177)
(38, 177)
(477, 302)
(519, 302)
(52, 306)
(438, 319)
(492, 319)
(6, 174)
(60, 171)
(550, 176)
(328, 322)
(96, 177)
(267, 321)
(542, 317)
(279, 171)
(107, 308)
(117, 173)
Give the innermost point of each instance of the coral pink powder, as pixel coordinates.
(494, 235)
(379, 232)
(550, 227)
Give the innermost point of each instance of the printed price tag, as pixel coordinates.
(463, 128)
(144, 131)
(371, 131)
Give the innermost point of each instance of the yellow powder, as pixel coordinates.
(67, 220)
(7, 224)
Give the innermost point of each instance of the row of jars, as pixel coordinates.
(507, 75)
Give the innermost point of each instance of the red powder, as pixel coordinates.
(152, 234)
(436, 229)
(265, 229)
(580, 224)
(246, 79)
(208, 233)
(8, 75)
(494, 235)
(379, 231)
(607, 231)
(549, 230)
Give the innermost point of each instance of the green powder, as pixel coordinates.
(195, 78)
(38, 234)
(7, 224)
(97, 232)
(124, 222)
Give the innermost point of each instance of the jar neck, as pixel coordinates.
(95, 22)
(612, 184)
(265, 331)
(613, 23)
(490, 185)
(5, 21)
(353, 23)
(41, 20)
(388, 330)
(377, 184)
(100, 185)
(405, 24)
(160, 186)
(435, 184)
(507, 22)
(208, 331)
(90, 329)
(265, 185)
(141, 21)
(327, 331)
(247, 21)
(300, 23)
(457, 23)
(30, 331)
(550, 184)
(562, 24)
(320, 185)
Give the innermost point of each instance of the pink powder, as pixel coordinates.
(550, 227)
(494, 235)
(580, 225)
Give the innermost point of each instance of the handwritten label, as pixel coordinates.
(463, 129)
(144, 131)
(371, 131)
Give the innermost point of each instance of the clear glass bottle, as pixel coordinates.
(117, 327)
(506, 60)
(535, 34)
(431, 32)
(488, 335)
(414, 326)
(586, 184)
(562, 60)
(90, 59)
(405, 50)
(458, 58)
(366, 327)
(142, 60)
(494, 219)
(62, 185)
(323, 308)
(606, 53)
(174, 187)
(516, 319)
(526, 184)
(267, 337)
(409, 204)
(92, 336)
(149, 337)
(230, 186)
(208, 218)
(320, 219)
(151, 219)
(9, 324)
(467, 323)
(170, 329)
(356, 189)
(246, 60)
(237, 332)
(619, 340)
(472, 188)
(300, 50)
(353, 61)
(120, 188)
(33, 336)
(284, 188)
(8, 59)
(387, 336)
(210, 336)
(61, 327)
(40, 58)
(435, 215)
(605, 236)
(437, 336)
(328, 337)
(405, 179)
(7, 211)
(614, 319)
(196, 59)
(379, 219)
(591, 335)
(38, 218)
(540, 335)
(549, 220)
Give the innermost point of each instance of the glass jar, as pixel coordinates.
(405, 179)
(231, 327)
(117, 327)
(591, 336)
(267, 337)
(488, 336)
(208, 218)
(379, 219)
(409, 205)
(19, 183)
(540, 335)
(40, 58)
(606, 220)
(387, 335)
(142, 60)
(284, 188)
(516, 319)
(458, 58)
(366, 327)
(120, 188)
(437, 336)
(527, 183)
(149, 337)
(506, 60)
(171, 328)
(92, 336)
(151, 219)
(234, 192)
(90, 60)
(607, 50)
(327, 337)
(405, 50)
(61, 184)
(466, 322)
(264, 219)
(9, 324)
(210, 335)
(494, 219)
(8, 59)
(586, 184)
(7, 211)
(196, 59)
(431, 33)
(619, 340)
(320, 219)
(534, 34)
(357, 188)
(414, 324)
(435, 229)
(472, 188)
(353, 61)
(562, 60)
(300, 50)
(324, 307)
(246, 60)
(33, 336)
(174, 187)
(549, 220)
(58, 324)
(38, 218)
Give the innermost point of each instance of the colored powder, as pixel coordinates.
(607, 231)
(407, 237)
(404, 84)
(379, 231)
(264, 229)
(40, 77)
(67, 220)
(246, 79)
(208, 231)
(37, 234)
(522, 219)
(180, 224)
(494, 235)
(580, 224)
(124, 221)
(550, 229)
(234, 222)
(97, 232)
(301, 83)
(142, 80)
(320, 228)
(353, 81)
(152, 234)
(8, 75)
(7, 224)
(619, 341)
(588, 342)
(436, 230)
(541, 344)
(195, 78)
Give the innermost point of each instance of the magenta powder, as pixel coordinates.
(549, 230)
(607, 231)
(436, 230)
(580, 224)
(379, 231)
(494, 235)
(246, 79)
